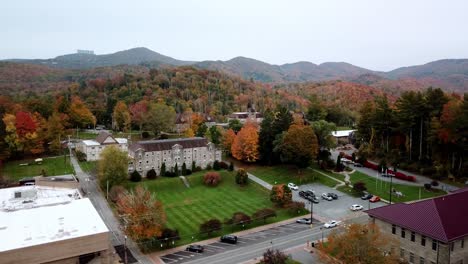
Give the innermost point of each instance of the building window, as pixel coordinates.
(422, 260)
(423, 241)
(402, 253)
(413, 236)
(434, 245)
(411, 257)
(403, 233)
(393, 229)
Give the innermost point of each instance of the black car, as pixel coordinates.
(231, 239)
(333, 195)
(195, 248)
(302, 194)
(366, 196)
(310, 193)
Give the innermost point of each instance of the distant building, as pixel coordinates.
(430, 231)
(90, 52)
(151, 154)
(50, 225)
(243, 117)
(342, 136)
(93, 148)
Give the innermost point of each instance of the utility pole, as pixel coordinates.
(125, 248)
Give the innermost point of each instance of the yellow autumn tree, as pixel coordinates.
(121, 117)
(227, 139)
(245, 145)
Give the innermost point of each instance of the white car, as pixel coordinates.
(331, 224)
(356, 207)
(326, 197)
(293, 186)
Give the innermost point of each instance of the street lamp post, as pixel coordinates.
(125, 250)
(391, 181)
(311, 212)
(321, 230)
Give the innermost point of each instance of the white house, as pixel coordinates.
(151, 154)
(93, 148)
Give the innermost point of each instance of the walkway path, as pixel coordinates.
(184, 180)
(260, 181)
(340, 183)
(89, 186)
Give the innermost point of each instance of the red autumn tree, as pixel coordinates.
(212, 178)
(138, 112)
(245, 145)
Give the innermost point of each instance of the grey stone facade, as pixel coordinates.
(147, 155)
(418, 249)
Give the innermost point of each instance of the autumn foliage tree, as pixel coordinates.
(280, 195)
(211, 225)
(245, 145)
(359, 244)
(212, 178)
(121, 117)
(228, 138)
(112, 167)
(144, 215)
(80, 115)
(264, 213)
(298, 146)
(242, 178)
(138, 113)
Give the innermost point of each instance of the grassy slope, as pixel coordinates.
(187, 208)
(52, 166)
(382, 188)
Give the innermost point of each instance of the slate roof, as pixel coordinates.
(167, 144)
(103, 136)
(443, 218)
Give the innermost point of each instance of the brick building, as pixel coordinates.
(432, 231)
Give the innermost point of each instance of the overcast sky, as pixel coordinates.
(375, 34)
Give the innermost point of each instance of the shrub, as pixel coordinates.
(239, 218)
(197, 168)
(242, 178)
(135, 176)
(188, 172)
(184, 169)
(209, 167)
(427, 186)
(163, 136)
(272, 256)
(435, 183)
(212, 178)
(210, 226)
(163, 170)
(115, 192)
(194, 166)
(80, 156)
(168, 235)
(280, 195)
(145, 134)
(359, 187)
(223, 165)
(295, 207)
(231, 166)
(176, 170)
(263, 214)
(151, 174)
(170, 174)
(216, 165)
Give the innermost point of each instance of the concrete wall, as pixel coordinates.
(65, 251)
(442, 255)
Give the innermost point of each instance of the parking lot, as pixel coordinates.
(243, 241)
(335, 209)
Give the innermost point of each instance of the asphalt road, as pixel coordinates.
(245, 252)
(89, 185)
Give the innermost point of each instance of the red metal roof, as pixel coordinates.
(443, 218)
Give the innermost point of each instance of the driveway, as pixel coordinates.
(335, 209)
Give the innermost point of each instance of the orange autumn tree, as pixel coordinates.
(227, 139)
(359, 244)
(144, 215)
(245, 145)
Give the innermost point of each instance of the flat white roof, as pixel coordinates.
(90, 143)
(25, 228)
(121, 140)
(342, 133)
(35, 196)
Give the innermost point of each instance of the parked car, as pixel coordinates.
(304, 221)
(231, 239)
(327, 197)
(313, 199)
(303, 194)
(366, 196)
(333, 195)
(345, 160)
(357, 164)
(356, 207)
(331, 224)
(195, 248)
(293, 186)
(374, 199)
(387, 175)
(310, 192)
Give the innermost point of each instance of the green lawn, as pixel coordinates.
(88, 166)
(382, 189)
(186, 208)
(52, 166)
(286, 174)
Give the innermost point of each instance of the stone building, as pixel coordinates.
(432, 231)
(151, 154)
(93, 148)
